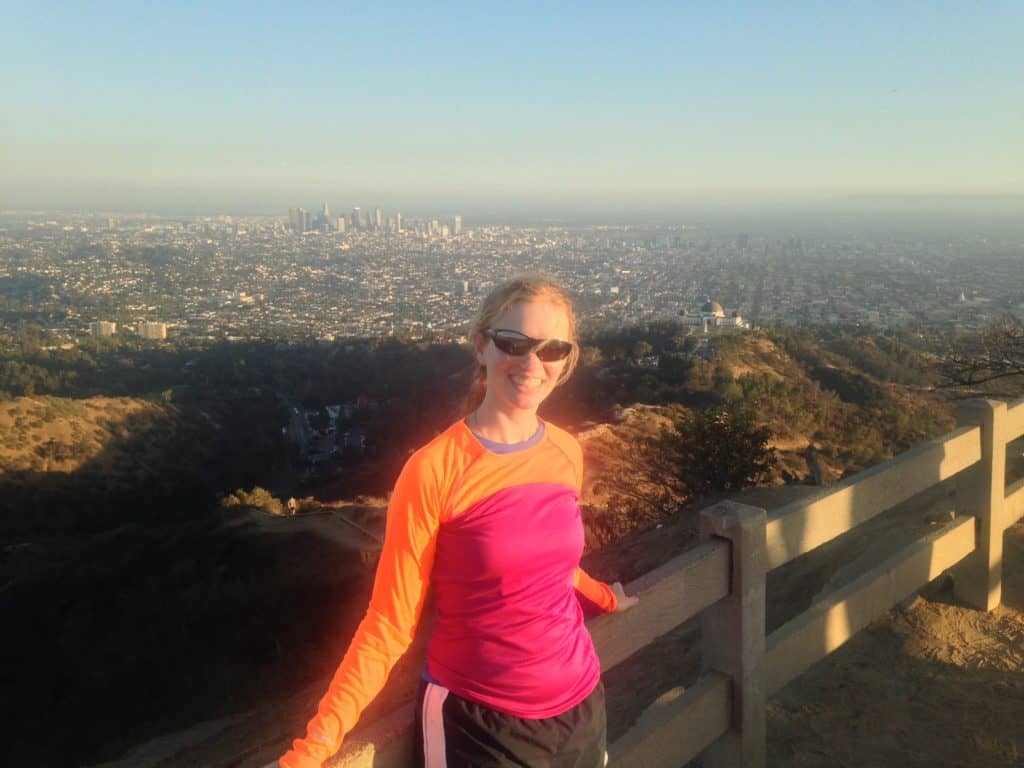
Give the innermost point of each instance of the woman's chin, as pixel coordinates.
(525, 400)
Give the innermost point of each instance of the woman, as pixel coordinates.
(486, 514)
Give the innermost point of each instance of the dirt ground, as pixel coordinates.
(931, 685)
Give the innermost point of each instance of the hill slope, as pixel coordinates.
(159, 585)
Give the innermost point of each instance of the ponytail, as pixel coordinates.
(477, 390)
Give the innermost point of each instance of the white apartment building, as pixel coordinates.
(148, 330)
(102, 328)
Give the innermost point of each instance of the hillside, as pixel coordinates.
(51, 434)
(817, 434)
(110, 515)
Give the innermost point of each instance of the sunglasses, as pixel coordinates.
(516, 344)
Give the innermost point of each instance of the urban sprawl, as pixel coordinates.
(368, 274)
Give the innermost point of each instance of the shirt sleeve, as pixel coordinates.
(385, 633)
(597, 592)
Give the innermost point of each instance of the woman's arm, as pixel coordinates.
(386, 631)
(608, 597)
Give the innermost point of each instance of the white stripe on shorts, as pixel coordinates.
(433, 726)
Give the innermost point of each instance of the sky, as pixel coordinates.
(255, 107)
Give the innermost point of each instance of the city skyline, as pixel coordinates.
(244, 109)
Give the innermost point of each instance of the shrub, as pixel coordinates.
(721, 449)
(257, 498)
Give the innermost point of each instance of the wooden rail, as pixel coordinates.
(797, 528)
(830, 622)
(669, 595)
(722, 716)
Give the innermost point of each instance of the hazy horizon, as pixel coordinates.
(841, 216)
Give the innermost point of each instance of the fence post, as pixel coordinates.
(733, 631)
(980, 491)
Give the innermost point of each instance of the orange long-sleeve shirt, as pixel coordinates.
(452, 475)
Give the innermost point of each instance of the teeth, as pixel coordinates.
(526, 381)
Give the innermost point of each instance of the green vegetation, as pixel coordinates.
(224, 405)
(859, 398)
(720, 449)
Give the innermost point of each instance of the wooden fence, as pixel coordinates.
(722, 716)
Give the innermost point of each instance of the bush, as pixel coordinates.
(721, 449)
(257, 498)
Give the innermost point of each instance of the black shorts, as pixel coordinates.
(453, 732)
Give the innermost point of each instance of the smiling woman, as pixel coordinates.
(487, 515)
(524, 349)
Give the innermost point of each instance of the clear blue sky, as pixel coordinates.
(614, 105)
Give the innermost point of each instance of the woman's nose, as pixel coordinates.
(531, 361)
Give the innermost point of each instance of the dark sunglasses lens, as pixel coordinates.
(556, 350)
(511, 345)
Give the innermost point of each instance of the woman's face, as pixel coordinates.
(517, 384)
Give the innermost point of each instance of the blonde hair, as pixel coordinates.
(498, 302)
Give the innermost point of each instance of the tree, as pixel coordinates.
(997, 352)
(721, 449)
(591, 357)
(642, 349)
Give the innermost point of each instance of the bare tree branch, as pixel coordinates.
(997, 352)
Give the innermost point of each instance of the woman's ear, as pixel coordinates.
(479, 344)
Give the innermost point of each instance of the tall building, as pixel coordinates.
(148, 330)
(378, 222)
(398, 221)
(102, 328)
(457, 225)
(295, 219)
(307, 222)
(357, 218)
(341, 224)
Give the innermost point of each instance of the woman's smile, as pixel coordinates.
(525, 382)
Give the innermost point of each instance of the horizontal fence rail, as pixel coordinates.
(669, 595)
(830, 622)
(797, 528)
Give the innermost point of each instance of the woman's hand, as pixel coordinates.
(623, 602)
